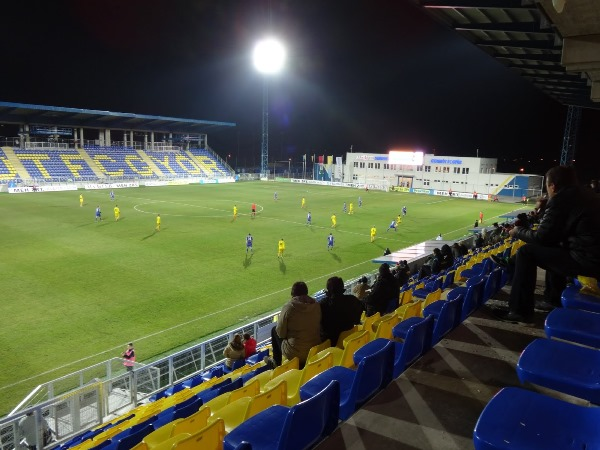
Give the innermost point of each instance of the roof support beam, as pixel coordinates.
(522, 27)
(510, 43)
(486, 4)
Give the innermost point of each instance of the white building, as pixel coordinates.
(451, 174)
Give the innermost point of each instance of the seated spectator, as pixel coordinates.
(249, 345)
(298, 327)
(384, 289)
(447, 260)
(402, 273)
(432, 265)
(339, 312)
(566, 244)
(234, 350)
(360, 289)
(479, 242)
(387, 251)
(456, 252)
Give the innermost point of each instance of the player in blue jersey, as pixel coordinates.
(112, 195)
(359, 201)
(330, 242)
(344, 209)
(404, 210)
(392, 226)
(249, 240)
(275, 196)
(98, 217)
(309, 219)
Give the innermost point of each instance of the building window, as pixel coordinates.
(355, 163)
(427, 168)
(362, 165)
(370, 165)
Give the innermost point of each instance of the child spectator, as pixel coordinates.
(249, 345)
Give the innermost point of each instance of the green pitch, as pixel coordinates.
(75, 291)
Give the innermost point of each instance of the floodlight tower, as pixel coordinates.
(269, 57)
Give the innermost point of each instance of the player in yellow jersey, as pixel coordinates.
(234, 212)
(80, 200)
(398, 219)
(303, 203)
(351, 208)
(373, 233)
(158, 222)
(280, 248)
(117, 213)
(333, 221)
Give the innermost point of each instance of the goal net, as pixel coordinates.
(376, 184)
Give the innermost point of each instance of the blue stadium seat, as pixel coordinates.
(296, 428)
(574, 325)
(519, 419)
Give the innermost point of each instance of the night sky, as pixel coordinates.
(372, 75)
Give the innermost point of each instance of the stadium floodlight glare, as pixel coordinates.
(268, 57)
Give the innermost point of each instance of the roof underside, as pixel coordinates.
(533, 39)
(20, 113)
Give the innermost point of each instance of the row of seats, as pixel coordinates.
(231, 409)
(568, 362)
(123, 162)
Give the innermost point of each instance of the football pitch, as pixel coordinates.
(75, 291)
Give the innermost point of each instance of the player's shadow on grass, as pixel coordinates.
(336, 257)
(282, 267)
(150, 235)
(248, 260)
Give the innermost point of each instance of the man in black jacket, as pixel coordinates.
(339, 312)
(566, 244)
(384, 290)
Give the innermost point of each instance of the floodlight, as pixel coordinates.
(268, 56)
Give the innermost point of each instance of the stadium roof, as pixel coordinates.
(559, 52)
(21, 113)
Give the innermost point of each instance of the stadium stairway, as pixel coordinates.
(435, 403)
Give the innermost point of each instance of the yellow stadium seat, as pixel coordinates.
(431, 297)
(209, 438)
(171, 442)
(410, 310)
(250, 389)
(263, 378)
(287, 365)
(345, 357)
(232, 414)
(384, 327)
(367, 325)
(276, 395)
(317, 348)
(345, 334)
(296, 377)
(406, 297)
(192, 424)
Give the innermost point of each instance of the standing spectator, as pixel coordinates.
(298, 328)
(565, 244)
(339, 312)
(31, 432)
(439, 237)
(249, 345)
(129, 357)
(383, 290)
(235, 350)
(360, 289)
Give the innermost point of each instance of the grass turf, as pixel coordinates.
(75, 291)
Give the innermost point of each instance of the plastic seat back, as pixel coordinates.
(406, 297)
(193, 423)
(447, 319)
(352, 345)
(209, 438)
(384, 327)
(310, 421)
(287, 365)
(317, 348)
(248, 390)
(345, 334)
(374, 372)
(417, 341)
(471, 299)
(369, 321)
(277, 395)
(431, 297)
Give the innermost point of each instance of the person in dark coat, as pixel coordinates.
(566, 244)
(339, 312)
(382, 292)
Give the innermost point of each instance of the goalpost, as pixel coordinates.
(376, 184)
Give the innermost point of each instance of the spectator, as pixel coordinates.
(339, 312)
(249, 345)
(447, 260)
(383, 290)
(129, 357)
(432, 266)
(402, 273)
(298, 328)
(456, 252)
(235, 350)
(31, 432)
(566, 244)
(360, 289)
(479, 241)
(439, 237)
(387, 251)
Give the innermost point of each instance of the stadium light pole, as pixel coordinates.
(269, 58)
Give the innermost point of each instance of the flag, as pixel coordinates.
(330, 159)
(321, 159)
(312, 158)
(304, 157)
